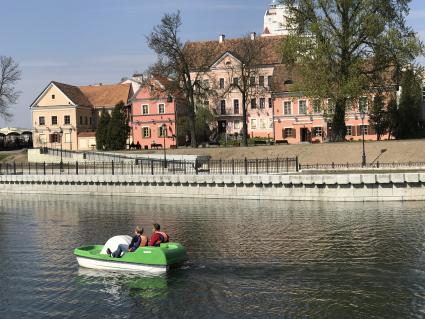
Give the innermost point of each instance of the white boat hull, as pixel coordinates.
(119, 266)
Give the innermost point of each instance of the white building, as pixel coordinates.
(275, 20)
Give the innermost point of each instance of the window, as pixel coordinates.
(253, 103)
(317, 131)
(54, 120)
(145, 109)
(270, 103)
(81, 120)
(161, 108)
(235, 106)
(53, 96)
(316, 106)
(349, 130)
(41, 120)
(146, 132)
(90, 120)
(364, 129)
(237, 125)
(42, 138)
(302, 107)
(287, 132)
(261, 81)
(162, 131)
(67, 119)
(235, 81)
(287, 108)
(54, 138)
(67, 137)
(223, 107)
(269, 81)
(252, 80)
(262, 103)
(363, 104)
(86, 120)
(263, 124)
(253, 124)
(221, 83)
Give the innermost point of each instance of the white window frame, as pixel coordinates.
(364, 128)
(67, 137)
(237, 125)
(263, 124)
(253, 124)
(161, 131)
(65, 121)
(143, 109)
(284, 107)
(159, 108)
(286, 135)
(148, 130)
(299, 106)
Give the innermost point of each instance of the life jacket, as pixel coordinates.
(163, 238)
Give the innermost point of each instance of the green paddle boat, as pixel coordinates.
(144, 259)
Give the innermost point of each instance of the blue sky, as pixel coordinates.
(90, 41)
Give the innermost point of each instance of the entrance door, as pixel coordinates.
(222, 126)
(304, 135)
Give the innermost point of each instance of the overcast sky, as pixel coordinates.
(90, 41)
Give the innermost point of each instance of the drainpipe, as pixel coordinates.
(274, 128)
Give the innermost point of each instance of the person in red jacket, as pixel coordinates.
(158, 236)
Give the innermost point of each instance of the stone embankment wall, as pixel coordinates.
(344, 187)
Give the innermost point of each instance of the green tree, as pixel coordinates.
(102, 139)
(406, 117)
(118, 128)
(204, 120)
(378, 116)
(343, 48)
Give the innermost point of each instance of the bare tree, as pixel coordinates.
(9, 75)
(243, 75)
(175, 62)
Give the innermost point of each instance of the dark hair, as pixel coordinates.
(140, 231)
(156, 226)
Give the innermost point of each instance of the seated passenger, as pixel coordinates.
(158, 236)
(138, 240)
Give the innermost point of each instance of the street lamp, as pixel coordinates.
(60, 133)
(363, 115)
(164, 134)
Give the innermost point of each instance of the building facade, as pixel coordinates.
(276, 20)
(154, 115)
(66, 116)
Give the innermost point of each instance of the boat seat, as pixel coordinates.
(116, 241)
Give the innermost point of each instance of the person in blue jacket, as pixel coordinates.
(138, 240)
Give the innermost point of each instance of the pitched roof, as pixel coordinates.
(205, 53)
(284, 78)
(86, 134)
(73, 93)
(107, 95)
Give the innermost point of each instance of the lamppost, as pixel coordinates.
(164, 134)
(363, 115)
(60, 135)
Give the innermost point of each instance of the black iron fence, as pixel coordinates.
(348, 166)
(155, 167)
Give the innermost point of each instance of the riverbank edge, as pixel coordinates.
(341, 187)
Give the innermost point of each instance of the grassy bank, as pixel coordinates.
(349, 152)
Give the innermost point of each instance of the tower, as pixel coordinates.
(275, 20)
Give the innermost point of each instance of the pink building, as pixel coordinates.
(298, 119)
(154, 114)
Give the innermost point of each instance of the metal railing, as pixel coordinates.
(155, 167)
(348, 166)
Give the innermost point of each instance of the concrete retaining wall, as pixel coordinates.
(348, 187)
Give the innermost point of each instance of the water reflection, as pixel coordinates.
(115, 284)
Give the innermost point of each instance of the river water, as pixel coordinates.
(247, 259)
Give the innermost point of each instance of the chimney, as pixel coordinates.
(253, 35)
(221, 38)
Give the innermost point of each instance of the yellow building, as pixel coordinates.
(67, 115)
